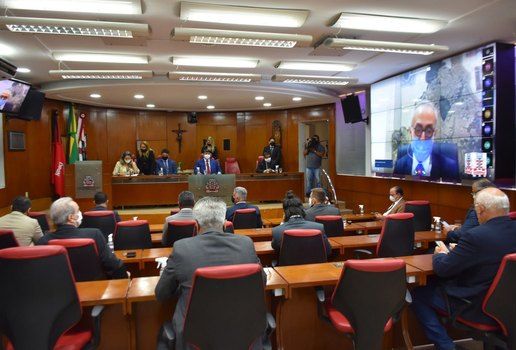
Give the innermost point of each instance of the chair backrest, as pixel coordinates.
(302, 246)
(228, 227)
(132, 234)
(231, 166)
(260, 158)
(397, 236)
(422, 214)
(41, 302)
(7, 239)
(245, 218)
(84, 258)
(512, 215)
(499, 302)
(179, 229)
(237, 318)
(333, 225)
(104, 220)
(357, 297)
(42, 219)
(174, 211)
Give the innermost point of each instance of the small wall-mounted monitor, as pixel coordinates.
(12, 94)
(351, 109)
(32, 106)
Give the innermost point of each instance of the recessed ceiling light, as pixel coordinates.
(267, 104)
(296, 99)
(214, 77)
(139, 96)
(99, 57)
(150, 105)
(318, 66)
(127, 7)
(259, 98)
(312, 79)
(384, 46)
(214, 62)
(95, 95)
(202, 97)
(101, 74)
(23, 70)
(210, 107)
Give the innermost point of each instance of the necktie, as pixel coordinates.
(166, 167)
(272, 149)
(420, 170)
(207, 166)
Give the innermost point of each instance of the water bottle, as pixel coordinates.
(110, 243)
(179, 167)
(160, 172)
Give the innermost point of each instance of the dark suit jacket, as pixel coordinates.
(147, 166)
(320, 209)
(113, 266)
(201, 164)
(470, 221)
(230, 212)
(171, 169)
(471, 266)
(297, 223)
(442, 166)
(8, 106)
(275, 155)
(263, 165)
(101, 208)
(209, 249)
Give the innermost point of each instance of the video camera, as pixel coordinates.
(312, 142)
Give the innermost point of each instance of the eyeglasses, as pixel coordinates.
(3, 97)
(428, 130)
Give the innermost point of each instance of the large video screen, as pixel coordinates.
(12, 95)
(437, 121)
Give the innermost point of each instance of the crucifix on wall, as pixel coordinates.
(179, 133)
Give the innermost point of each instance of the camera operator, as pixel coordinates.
(313, 152)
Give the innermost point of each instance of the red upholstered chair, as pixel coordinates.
(245, 218)
(42, 219)
(179, 229)
(500, 304)
(260, 158)
(238, 319)
(132, 234)
(231, 166)
(396, 238)
(84, 258)
(174, 211)
(302, 246)
(8, 239)
(512, 215)
(333, 225)
(358, 309)
(41, 308)
(422, 214)
(104, 220)
(228, 227)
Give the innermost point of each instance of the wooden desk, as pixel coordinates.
(423, 263)
(358, 217)
(156, 228)
(256, 234)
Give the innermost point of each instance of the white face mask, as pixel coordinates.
(267, 160)
(391, 197)
(207, 156)
(127, 161)
(79, 219)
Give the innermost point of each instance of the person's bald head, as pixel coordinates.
(491, 203)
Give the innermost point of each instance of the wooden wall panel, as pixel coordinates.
(121, 127)
(189, 152)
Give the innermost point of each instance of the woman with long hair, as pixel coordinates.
(126, 166)
(145, 159)
(210, 146)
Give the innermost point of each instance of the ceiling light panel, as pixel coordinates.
(316, 66)
(253, 16)
(126, 7)
(240, 38)
(312, 79)
(74, 27)
(215, 77)
(384, 46)
(102, 74)
(100, 57)
(388, 23)
(226, 62)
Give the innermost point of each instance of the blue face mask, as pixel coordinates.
(422, 149)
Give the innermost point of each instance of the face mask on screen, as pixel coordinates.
(422, 149)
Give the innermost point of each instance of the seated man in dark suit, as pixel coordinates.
(265, 165)
(467, 270)
(239, 198)
(275, 152)
(212, 247)
(294, 218)
(207, 165)
(101, 200)
(319, 205)
(66, 215)
(424, 157)
(165, 165)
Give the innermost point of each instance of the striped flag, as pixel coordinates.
(58, 158)
(73, 152)
(81, 136)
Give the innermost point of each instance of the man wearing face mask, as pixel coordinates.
(398, 203)
(274, 151)
(66, 215)
(207, 165)
(265, 165)
(423, 157)
(166, 165)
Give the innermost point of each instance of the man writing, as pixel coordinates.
(212, 247)
(467, 270)
(26, 230)
(423, 157)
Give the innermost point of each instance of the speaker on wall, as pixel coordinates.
(32, 105)
(192, 117)
(351, 109)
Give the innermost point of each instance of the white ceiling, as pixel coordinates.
(471, 23)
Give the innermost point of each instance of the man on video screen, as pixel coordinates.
(423, 156)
